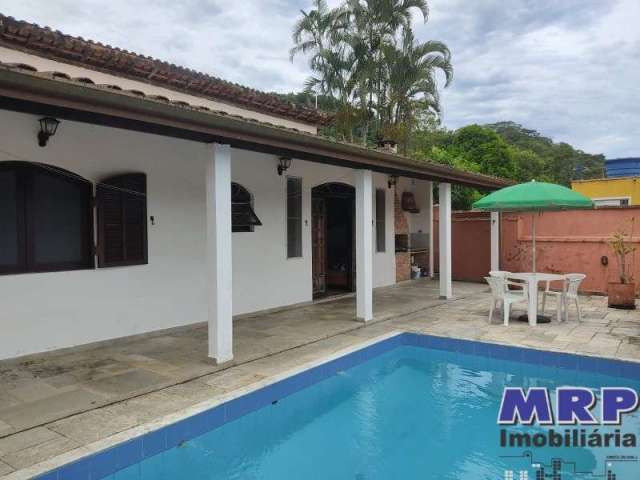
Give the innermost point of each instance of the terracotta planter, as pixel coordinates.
(622, 295)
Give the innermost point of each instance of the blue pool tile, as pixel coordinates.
(482, 349)
(440, 344)
(502, 352)
(530, 355)
(630, 370)
(75, 471)
(214, 417)
(566, 361)
(154, 443)
(103, 464)
(455, 344)
(247, 403)
(177, 433)
(466, 347)
(588, 364)
(608, 367)
(205, 421)
(278, 390)
(424, 341)
(549, 359)
(128, 453)
(290, 385)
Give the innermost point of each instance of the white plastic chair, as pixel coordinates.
(559, 296)
(499, 273)
(573, 284)
(501, 295)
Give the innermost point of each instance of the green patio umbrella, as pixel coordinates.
(533, 197)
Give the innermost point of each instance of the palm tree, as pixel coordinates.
(412, 77)
(373, 25)
(364, 54)
(337, 80)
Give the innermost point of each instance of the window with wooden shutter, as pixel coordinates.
(294, 217)
(243, 218)
(381, 215)
(121, 203)
(46, 219)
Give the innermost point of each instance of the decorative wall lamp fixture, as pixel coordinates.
(393, 179)
(48, 127)
(283, 166)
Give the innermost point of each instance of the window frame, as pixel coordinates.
(111, 182)
(244, 228)
(26, 237)
(300, 249)
(381, 236)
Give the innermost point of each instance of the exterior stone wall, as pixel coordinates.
(401, 223)
(403, 259)
(403, 266)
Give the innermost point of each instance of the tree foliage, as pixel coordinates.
(380, 83)
(364, 55)
(507, 150)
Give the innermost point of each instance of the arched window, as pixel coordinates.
(243, 218)
(46, 219)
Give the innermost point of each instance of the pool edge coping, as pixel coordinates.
(42, 470)
(78, 454)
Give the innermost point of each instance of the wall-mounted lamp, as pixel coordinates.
(48, 127)
(283, 166)
(393, 179)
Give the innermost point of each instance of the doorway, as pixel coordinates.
(333, 239)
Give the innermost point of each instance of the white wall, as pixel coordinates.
(260, 264)
(418, 222)
(45, 311)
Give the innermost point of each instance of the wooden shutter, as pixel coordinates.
(121, 202)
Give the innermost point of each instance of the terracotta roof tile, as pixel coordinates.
(45, 42)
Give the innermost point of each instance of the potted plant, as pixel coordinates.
(622, 294)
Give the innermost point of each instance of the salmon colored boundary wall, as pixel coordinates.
(470, 245)
(567, 242)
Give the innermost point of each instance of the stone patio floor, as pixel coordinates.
(62, 402)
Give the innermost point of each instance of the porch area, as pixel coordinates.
(66, 401)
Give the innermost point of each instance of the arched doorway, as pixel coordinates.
(333, 239)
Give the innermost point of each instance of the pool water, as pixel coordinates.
(410, 413)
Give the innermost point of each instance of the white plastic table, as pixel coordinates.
(532, 280)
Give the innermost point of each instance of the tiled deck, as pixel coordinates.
(59, 402)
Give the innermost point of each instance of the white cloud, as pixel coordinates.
(569, 69)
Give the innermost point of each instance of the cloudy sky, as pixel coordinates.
(568, 68)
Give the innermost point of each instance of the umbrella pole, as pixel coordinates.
(533, 236)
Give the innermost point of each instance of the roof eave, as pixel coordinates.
(92, 104)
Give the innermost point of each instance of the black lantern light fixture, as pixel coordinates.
(393, 179)
(283, 165)
(48, 127)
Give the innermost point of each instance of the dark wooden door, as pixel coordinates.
(319, 245)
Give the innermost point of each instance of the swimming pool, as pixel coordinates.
(410, 406)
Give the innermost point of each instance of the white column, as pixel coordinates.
(495, 241)
(219, 260)
(364, 244)
(429, 213)
(446, 290)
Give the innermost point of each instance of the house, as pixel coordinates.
(620, 188)
(136, 195)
